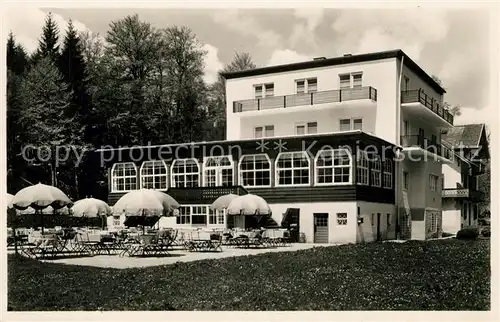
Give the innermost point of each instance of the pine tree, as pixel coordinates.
(48, 44)
(73, 70)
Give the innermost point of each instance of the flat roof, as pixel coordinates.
(350, 59)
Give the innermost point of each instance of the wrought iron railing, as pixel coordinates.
(414, 96)
(426, 144)
(315, 98)
(204, 193)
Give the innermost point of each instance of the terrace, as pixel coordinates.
(426, 107)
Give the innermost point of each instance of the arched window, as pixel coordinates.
(387, 174)
(218, 171)
(255, 170)
(333, 167)
(293, 169)
(185, 173)
(123, 177)
(154, 175)
(362, 171)
(376, 171)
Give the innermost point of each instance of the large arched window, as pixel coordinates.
(376, 171)
(362, 168)
(185, 173)
(387, 174)
(333, 167)
(123, 177)
(293, 169)
(218, 171)
(154, 175)
(255, 170)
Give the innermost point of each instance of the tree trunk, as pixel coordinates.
(77, 184)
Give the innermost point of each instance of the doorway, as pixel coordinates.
(321, 228)
(378, 226)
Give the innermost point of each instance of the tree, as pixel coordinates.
(48, 44)
(217, 111)
(453, 109)
(484, 183)
(45, 98)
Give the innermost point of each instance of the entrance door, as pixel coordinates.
(218, 171)
(321, 228)
(378, 226)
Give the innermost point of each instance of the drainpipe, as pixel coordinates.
(399, 165)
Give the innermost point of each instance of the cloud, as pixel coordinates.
(246, 25)
(286, 56)
(362, 31)
(313, 16)
(28, 30)
(212, 64)
(303, 32)
(471, 115)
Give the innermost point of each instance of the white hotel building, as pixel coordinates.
(348, 148)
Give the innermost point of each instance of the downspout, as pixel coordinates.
(399, 164)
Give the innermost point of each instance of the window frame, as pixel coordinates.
(113, 177)
(154, 175)
(376, 171)
(387, 174)
(306, 127)
(185, 174)
(264, 90)
(333, 167)
(292, 169)
(341, 221)
(351, 123)
(432, 176)
(254, 170)
(362, 156)
(218, 169)
(264, 129)
(351, 80)
(306, 81)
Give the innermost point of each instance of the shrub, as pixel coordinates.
(468, 233)
(486, 232)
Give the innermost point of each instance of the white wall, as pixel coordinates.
(336, 234)
(452, 175)
(382, 75)
(452, 218)
(367, 231)
(417, 83)
(418, 230)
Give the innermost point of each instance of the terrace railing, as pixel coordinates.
(204, 193)
(314, 98)
(426, 144)
(414, 96)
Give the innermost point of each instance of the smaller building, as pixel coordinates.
(461, 195)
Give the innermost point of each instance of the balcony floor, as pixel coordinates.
(417, 110)
(418, 152)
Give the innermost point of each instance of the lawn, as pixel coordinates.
(436, 275)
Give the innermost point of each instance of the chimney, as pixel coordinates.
(319, 58)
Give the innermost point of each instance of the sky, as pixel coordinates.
(451, 44)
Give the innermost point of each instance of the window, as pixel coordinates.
(407, 83)
(116, 221)
(308, 85)
(199, 215)
(362, 168)
(352, 80)
(264, 131)
(306, 128)
(154, 175)
(376, 171)
(259, 91)
(357, 80)
(351, 124)
(184, 216)
(345, 81)
(387, 174)
(185, 173)
(433, 182)
(333, 167)
(269, 89)
(255, 170)
(218, 171)
(433, 217)
(406, 180)
(123, 177)
(342, 219)
(216, 217)
(388, 220)
(292, 169)
(373, 219)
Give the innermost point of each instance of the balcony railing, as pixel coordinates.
(426, 144)
(462, 193)
(414, 96)
(204, 193)
(333, 96)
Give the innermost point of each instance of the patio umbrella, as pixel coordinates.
(248, 204)
(9, 201)
(146, 202)
(39, 197)
(223, 201)
(91, 208)
(12, 211)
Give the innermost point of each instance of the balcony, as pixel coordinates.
(315, 98)
(203, 195)
(419, 142)
(462, 193)
(432, 109)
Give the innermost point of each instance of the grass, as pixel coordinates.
(437, 275)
